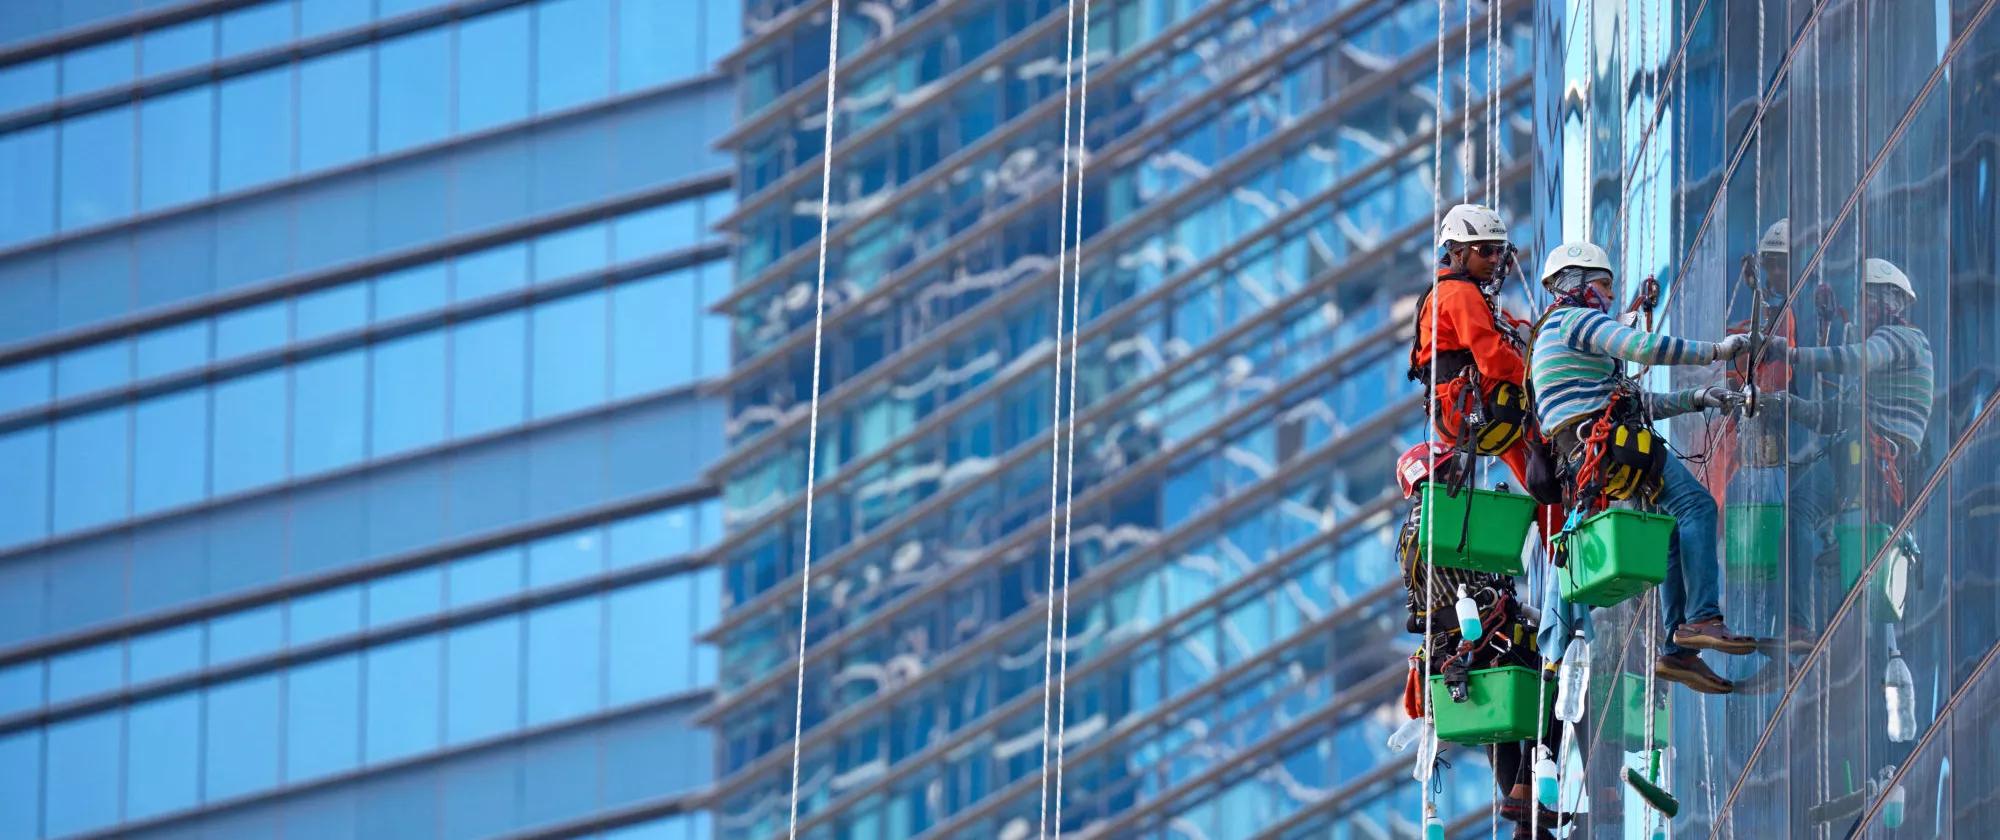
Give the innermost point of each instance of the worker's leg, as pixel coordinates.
(1692, 591)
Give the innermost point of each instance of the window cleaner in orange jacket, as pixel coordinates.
(1480, 379)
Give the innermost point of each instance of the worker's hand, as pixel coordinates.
(1718, 396)
(1733, 346)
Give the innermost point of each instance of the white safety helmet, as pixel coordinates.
(1884, 273)
(1574, 255)
(1777, 239)
(1471, 223)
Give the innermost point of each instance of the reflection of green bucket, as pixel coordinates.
(1498, 522)
(1615, 555)
(1499, 706)
(1629, 715)
(1754, 547)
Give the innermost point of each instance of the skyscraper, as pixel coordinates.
(1256, 211)
(350, 418)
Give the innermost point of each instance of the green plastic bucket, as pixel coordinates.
(1629, 714)
(1754, 541)
(1498, 523)
(1499, 706)
(1615, 555)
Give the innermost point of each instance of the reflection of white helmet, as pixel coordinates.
(1777, 239)
(1471, 223)
(1885, 273)
(1574, 255)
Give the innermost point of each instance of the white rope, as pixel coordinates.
(1055, 421)
(812, 423)
(1493, 134)
(1069, 470)
(1589, 105)
(1430, 429)
(1465, 150)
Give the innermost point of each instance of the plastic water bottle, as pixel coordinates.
(1546, 788)
(1406, 734)
(1427, 750)
(1899, 689)
(1468, 617)
(1573, 680)
(1433, 827)
(1892, 810)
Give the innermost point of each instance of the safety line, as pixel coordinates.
(812, 422)
(1424, 774)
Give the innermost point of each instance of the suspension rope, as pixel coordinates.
(1055, 421)
(812, 422)
(1589, 106)
(1465, 150)
(1429, 801)
(1069, 469)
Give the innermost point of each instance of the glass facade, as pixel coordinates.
(1772, 161)
(1255, 218)
(353, 415)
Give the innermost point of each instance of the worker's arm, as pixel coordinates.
(1664, 404)
(1594, 332)
(1472, 322)
(1886, 348)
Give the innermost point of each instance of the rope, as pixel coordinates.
(1493, 134)
(1589, 105)
(1429, 801)
(1055, 421)
(1652, 618)
(812, 423)
(1069, 469)
(1465, 151)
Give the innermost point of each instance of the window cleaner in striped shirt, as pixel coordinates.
(1578, 375)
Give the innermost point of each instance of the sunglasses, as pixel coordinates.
(1490, 249)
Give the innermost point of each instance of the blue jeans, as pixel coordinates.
(1693, 589)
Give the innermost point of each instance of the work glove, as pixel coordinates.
(1718, 396)
(1733, 346)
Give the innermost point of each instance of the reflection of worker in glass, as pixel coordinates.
(1895, 359)
(1477, 356)
(1578, 375)
(1508, 638)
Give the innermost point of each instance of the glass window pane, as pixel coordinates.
(569, 354)
(244, 635)
(93, 470)
(83, 774)
(165, 653)
(318, 17)
(724, 25)
(329, 400)
(484, 577)
(177, 47)
(21, 783)
(649, 641)
(256, 27)
(98, 66)
(655, 43)
(714, 328)
(96, 167)
(409, 394)
(333, 109)
(93, 368)
(572, 62)
(648, 353)
(490, 272)
(20, 687)
(414, 90)
(658, 230)
(170, 451)
(23, 385)
(655, 536)
(409, 292)
(24, 85)
(570, 252)
(86, 672)
(484, 680)
(28, 165)
(493, 70)
(177, 148)
(409, 595)
(402, 699)
(330, 312)
(256, 129)
(565, 558)
(252, 330)
(172, 349)
(249, 432)
(325, 615)
(489, 385)
(24, 497)
(243, 738)
(162, 756)
(563, 662)
(323, 718)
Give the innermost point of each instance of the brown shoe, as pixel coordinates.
(1712, 634)
(1687, 669)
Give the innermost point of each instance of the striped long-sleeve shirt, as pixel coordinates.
(1575, 365)
(1901, 374)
